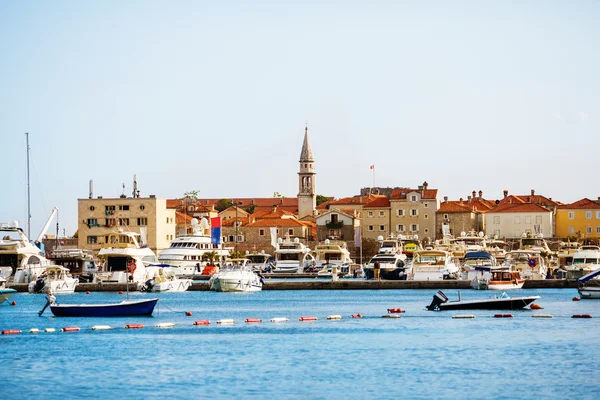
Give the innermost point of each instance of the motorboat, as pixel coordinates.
(236, 276)
(164, 278)
(410, 244)
(292, 256)
(530, 264)
(194, 254)
(565, 253)
(19, 258)
(477, 267)
(332, 254)
(55, 279)
(80, 263)
(127, 308)
(391, 245)
(5, 293)
(589, 285)
(535, 242)
(585, 261)
(125, 258)
(505, 280)
(392, 267)
(433, 265)
(504, 302)
(467, 243)
(260, 262)
(496, 248)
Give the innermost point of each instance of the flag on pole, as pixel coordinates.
(357, 236)
(372, 167)
(215, 230)
(273, 230)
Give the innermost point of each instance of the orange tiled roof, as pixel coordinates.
(530, 198)
(356, 200)
(267, 223)
(583, 204)
(518, 207)
(173, 203)
(456, 207)
(403, 192)
(381, 202)
(181, 218)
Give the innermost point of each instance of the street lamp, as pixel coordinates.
(236, 225)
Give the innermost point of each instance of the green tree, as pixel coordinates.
(322, 199)
(223, 204)
(210, 256)
(278, 195)
(249, 209)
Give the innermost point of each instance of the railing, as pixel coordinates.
(334, 225)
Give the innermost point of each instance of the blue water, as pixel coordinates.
(422, 355)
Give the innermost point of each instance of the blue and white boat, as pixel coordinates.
(5, 293)
(126, 308)
(589, 285)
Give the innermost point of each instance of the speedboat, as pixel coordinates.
(237, 276)
(585, 261)
(477, 267)
(589, 285)
(530, 264)
(19, 257)
(260, 262)
(163, 278)
(504, 302)
(125, 308)
(392, 267)
(55, 279)
(505, 280)
(292, 256)
(5, 293)
(433, 265)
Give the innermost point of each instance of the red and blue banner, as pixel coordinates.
(215, 230)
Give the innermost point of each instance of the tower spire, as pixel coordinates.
(306, 154)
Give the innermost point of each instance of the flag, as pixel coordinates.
(372, 167)
(215, 230)
(357, 236)
(273, 230)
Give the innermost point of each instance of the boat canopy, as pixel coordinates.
(589, 276)
(478, 255)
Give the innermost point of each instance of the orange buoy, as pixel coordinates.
(202, 322)
(134, 326)
(253, 320)
(357, 315)
(188, 313)
(14, 303)
(581, 316)
(503, 315)
(534, 306)
(11, 332)
(308, 318)
(576, 298)
(70, 329)
(88, 292)
(395, 310)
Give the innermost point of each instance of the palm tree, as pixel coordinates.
(210, 256)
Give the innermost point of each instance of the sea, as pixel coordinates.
(421, 355)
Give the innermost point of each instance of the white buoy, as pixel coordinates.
(100, 327)
(541, 316)
(279, 319)
(463, 316)
(334, 317)
(34, 330)
(50, 330)
(225, 322)
(165, 325)
(390, 316)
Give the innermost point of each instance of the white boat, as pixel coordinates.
(585, 260)
(433, 265)
(80, 263)
(391, 245)
(565, 253)
(529, 263)
(163, 278)
(237, 276)
(331, 255)
(535, 242)
(477, 267)
(189, 253)
(55, 279)
(496, 248)
(260, 262)
(589, 285)
(292, 256)
(392, 266)
(467, 243)
(505, 280)
(19, 258)
(5, 293)
(125, 258)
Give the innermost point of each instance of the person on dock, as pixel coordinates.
(376, 270)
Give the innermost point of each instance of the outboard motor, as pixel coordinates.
(148, 285)
(438, 298)
(39, 285)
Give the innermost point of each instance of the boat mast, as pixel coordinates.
(28, 190)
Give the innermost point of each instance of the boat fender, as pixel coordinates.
(14, 303)
(279, 319)
(11, 332)
(70, 329)
(202, 322)
(34, 330)
(250, 320)
(334, 317)
(395, 310)
(357, 315)
(308, 318)
(188, 313)
(503, 315)
(576, 298)
(581, 316)
(134, 326)
(534, 306)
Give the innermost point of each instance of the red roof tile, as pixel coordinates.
(401, 193)
(455, 207)
(518, 207)
(382, 202)
(583, 204)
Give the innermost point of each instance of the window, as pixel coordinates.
(92, 222)
(400, 213)
(92, 239)
(109, 209)
(445, 216)
(588, 230)
(426, 230)
(425, 205)
(426, 216)
(400, 228)
(142, 207)
(110, 222)
(240, 238)
(414, 212)
(497, 233)
(414, 198)
(571, 215)
(382, 227)
(291, 231)
(496, 220)
(371, 228)
(588, 215)
(123, 208)
(571, 230)
(597, 214)
(527, 220)
(92, 208)
(538, 219)
(414, 228)
(517, 220)
(230, 238)
(123, 221)
(261, 232)
(370, 213)
(169, 237)
(382, 213)
(142, 221)
(598, 229)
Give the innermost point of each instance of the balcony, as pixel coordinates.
(334, 225)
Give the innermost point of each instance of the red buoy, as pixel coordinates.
(576, 298)
(308, 318)
(357, 315)
(120, 292)
(202, 322)
(188, 313)
(395, 310)
(134, 326)
(88, 292)
(70, 329)
(253, 320)
(11, 332)
(14, 303)
(534, 306)
(581, 316)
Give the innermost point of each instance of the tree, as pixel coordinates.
(191, 195)
(278, 195)
(249, 209)
(223, 204)
(210, 256)
(322, 199)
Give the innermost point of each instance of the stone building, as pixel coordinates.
(336, 224)
(307, 195)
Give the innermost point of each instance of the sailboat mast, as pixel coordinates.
(28, 191)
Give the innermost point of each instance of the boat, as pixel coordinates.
(164, 278)
(392, 267)
(589, 285)
(332, 255)
(55, 279)
(391, 245)
(20, 260)
(496, 248)
(505, 280)
(467, 243)
(477, 267)
(236, 276)
(260, 262)
(125, 258)
(585, 261)
(5, 293)
(292, 256)
(565, 253)
(190, 253)
(80, 263)
(535, 242)
(433, 265)
(504, 302)
(530, 264)
(410, 244)
(127, 308)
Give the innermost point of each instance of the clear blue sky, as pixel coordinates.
(214, 96)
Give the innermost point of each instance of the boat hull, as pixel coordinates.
(220, 284)
(124, 309)
(589, 292)
(175, 285)
(511, 303)
(386, 274)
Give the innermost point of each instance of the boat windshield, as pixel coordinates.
(150, 259)
(585, 261)
(9, 235)
(257, 258)
(430, 259)
(289, 256)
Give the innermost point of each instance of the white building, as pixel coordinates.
(511, 220)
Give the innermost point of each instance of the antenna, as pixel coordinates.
(135, 191)
(28, 191)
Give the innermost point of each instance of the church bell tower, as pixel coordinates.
(307, 197)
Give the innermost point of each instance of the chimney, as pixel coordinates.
(481, 194)
(474, 194)
(532, 192)
(446, 199)
(274, 209)
(92, 189)
(505, 193)
(461, 201)
(425, 184)
(135, 187)
(152, 196)
(281, 201)
(469, 198)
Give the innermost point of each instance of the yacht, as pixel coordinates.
(391, 245)
(433, 265)
(80, 263)
(530, 241)
(588, 285)
(260, 262)
(496, 248)
(585, 261)
(477, 267)
(410, 244)
(55, 279)
(190, 253)
(529, 263)
(565, 253)
(292, 256)
(19, 258)
(236, 276)
(332, 254)
(467, 243)
(163, 278)
(125, 258)
(392, 267)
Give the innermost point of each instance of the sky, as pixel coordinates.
(214, 96)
